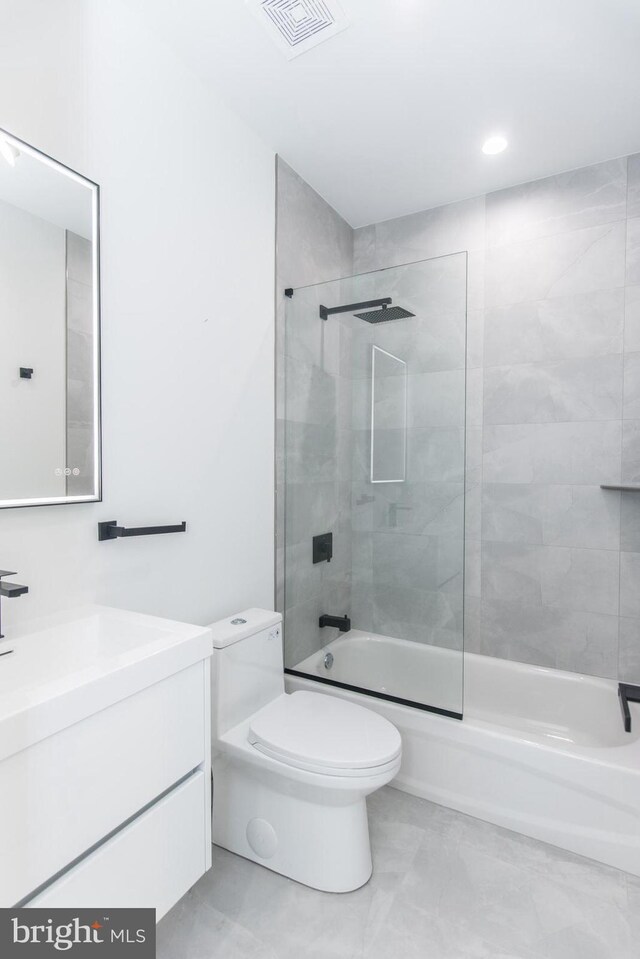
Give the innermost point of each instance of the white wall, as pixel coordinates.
(187, 282)
(32, 334)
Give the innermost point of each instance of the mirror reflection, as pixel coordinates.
(49, 329)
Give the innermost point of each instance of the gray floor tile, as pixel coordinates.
(445, 886)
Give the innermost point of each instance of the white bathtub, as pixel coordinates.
(540, 751)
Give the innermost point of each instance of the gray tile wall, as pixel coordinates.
(313, 415)
(408, 537)
(553, 407)
(553, 411)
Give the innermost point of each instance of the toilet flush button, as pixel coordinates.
(262, 838)
(238, 621)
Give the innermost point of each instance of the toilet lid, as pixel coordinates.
(325, 732)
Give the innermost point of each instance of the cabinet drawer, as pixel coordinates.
(61, 796)
(152, 862)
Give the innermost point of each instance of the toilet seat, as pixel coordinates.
(324, 734)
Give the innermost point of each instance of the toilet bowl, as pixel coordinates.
(291, 772)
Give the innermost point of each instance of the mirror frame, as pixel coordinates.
(96, 495)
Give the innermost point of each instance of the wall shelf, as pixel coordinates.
(623, 489)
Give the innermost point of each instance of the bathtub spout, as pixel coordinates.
(343, 623)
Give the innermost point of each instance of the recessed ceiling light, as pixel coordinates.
(494, 145)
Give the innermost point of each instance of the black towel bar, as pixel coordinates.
(111, 530)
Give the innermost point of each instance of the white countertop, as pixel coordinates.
(71, 665)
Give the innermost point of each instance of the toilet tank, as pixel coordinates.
(246, 666)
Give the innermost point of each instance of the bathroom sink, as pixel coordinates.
(66, 667)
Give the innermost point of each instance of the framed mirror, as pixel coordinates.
(49, 331)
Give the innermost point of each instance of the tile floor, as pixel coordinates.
(444, 886)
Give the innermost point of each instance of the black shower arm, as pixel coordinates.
(327, 311)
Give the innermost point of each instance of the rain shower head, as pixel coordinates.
(385, 314)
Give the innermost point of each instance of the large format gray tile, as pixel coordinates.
(476, 279)
(473, 471)
(633, 251)
(311, 394)
(475, 339)
(435, 455)
(362, 606)
(428, 341)
(512, 571)
(631, 452)
(314, 242)
(632, 319)
(630, 585)
(472, 624)
(563, 327)
(559, 453)
(581, 579)
(303, 578)
(581, 516)
(474, 398)
(633, 185)
(311, 452)
(197, 930)
(631, 409)
(418, 616)
(313, 508)
(629, 652)
(429, 233)
(473, 512)
(444, 886)
(583, 642)
(400, 611)
(629, 522)
(302, 636)
(436, 400)
(364, 248)
(428, 288)
(567, 201)
(566, 264)
(417, 507)
(567, 578)
(403, 559)
(585, 389)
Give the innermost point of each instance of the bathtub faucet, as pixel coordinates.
(343, 623)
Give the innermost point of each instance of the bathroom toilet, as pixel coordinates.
(291, 772)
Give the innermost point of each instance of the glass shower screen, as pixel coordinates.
(374, 455)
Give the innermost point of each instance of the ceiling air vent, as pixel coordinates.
(297, 25)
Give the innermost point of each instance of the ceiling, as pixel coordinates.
(388, 117)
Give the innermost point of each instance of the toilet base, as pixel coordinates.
(315, 834)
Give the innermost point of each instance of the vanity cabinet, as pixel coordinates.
(111, 805)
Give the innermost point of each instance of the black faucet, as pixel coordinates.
(9, 590)
(343, 623)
